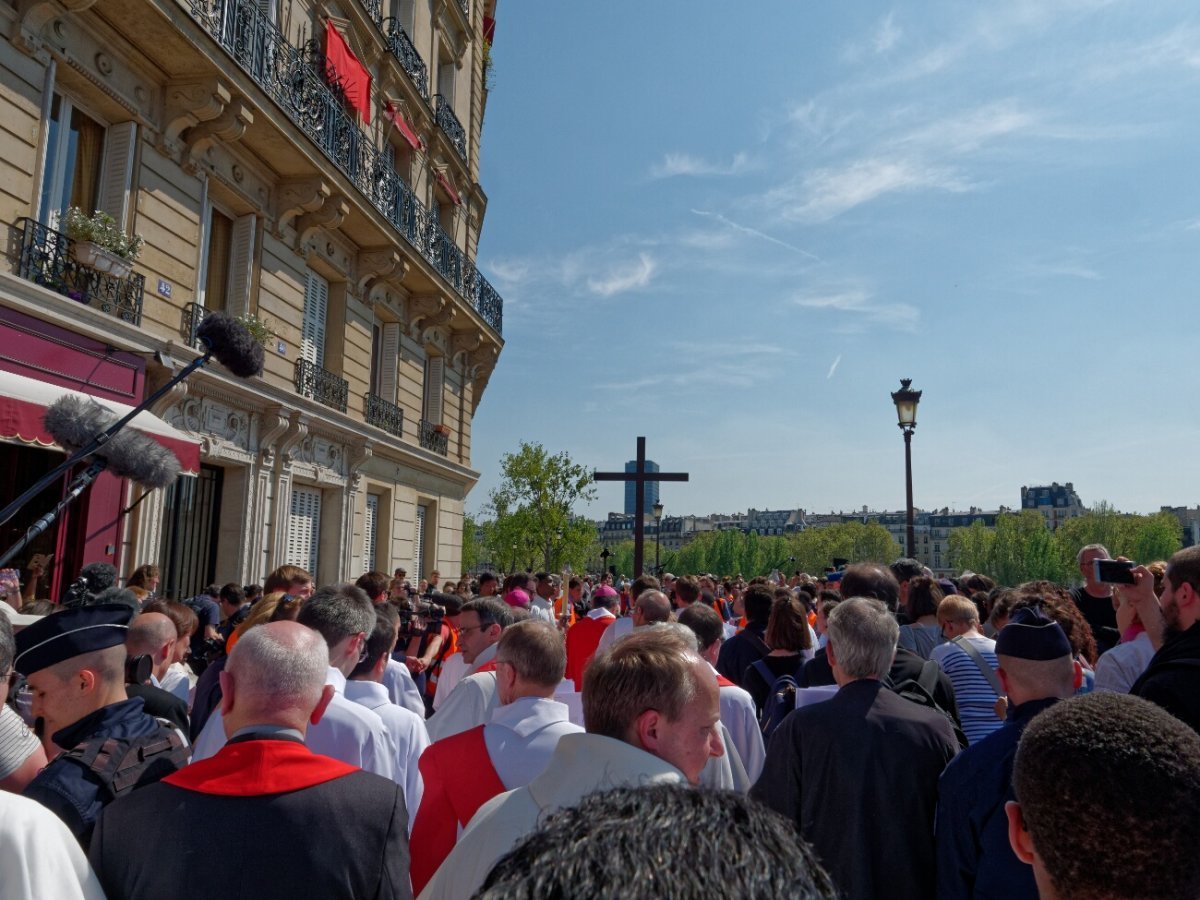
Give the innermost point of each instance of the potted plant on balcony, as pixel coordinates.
(441, 429)
(260, 329)
(99, 243)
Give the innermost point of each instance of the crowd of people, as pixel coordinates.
(870, 732)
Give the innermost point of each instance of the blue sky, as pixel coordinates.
(732, 228)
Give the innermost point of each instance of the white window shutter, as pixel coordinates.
(312, 331)
(419, 545)
(304, 530)
(241, 266)
(116, 172)
(370, 532)
(391, 361)
(435, 378)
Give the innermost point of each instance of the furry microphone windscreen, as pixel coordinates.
(99, 576)
(74, 422)
(233, 346)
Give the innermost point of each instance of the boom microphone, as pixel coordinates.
(228, 340)
(75, 422)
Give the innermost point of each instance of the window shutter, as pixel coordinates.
(419, 544)
(435, 376)
(391, 361)
(241, 266)
(304, 530)
(312, 331)
(370, 532)
(116, 172)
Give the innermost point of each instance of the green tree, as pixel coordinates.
(470, 545)
(531, 510)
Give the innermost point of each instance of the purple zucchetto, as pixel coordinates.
(1031, 634)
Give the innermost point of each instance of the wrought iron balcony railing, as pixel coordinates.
(290, 76)
(45, 259)
(432, 439)
(321, 385)
(385, 415)
(448, 122)
(401, 46)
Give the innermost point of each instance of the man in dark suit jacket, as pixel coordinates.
(312, 826)
(858, 773)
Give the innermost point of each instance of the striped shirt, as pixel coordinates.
(17, 742)
(975, 697)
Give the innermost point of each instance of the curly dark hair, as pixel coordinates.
(1109, 787)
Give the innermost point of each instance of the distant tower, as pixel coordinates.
(651, 488)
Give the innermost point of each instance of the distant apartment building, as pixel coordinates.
(1189, 521)
(774, 521)
(1056, 502)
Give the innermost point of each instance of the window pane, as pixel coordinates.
(220, 235)
(86, 146)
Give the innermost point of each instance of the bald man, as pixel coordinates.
(265, 781)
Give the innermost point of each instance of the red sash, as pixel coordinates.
(722, 681)
(459, 778)
(257, 768)
(489, 666)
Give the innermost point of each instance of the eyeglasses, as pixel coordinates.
(467, 628)
(11, 678)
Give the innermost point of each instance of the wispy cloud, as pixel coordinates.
(824, 194)
(624, 277)
(754, 232)
(859, 310)
(674, 165)
(833, 368)
(886, 34)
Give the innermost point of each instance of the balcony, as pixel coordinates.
(290, 76)
(401, 46)
(385, 415)
(321, 385)
(448, 122)
(45, 259)
(432, 439)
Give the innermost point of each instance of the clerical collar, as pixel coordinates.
(273, 730)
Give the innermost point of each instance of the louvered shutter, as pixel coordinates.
(116, 172)
(241, 266)
(419, 545)
(435, 377)
(390, 352)
(304, 530)
(312, 331)
(370, 532)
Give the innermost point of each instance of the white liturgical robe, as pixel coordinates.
(580, 765)
(408, 734)
(521, 737)
(615, 632)
(401, 687)
(39, 857)
(348, 731)
(740, 718)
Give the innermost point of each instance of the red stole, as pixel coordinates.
(459, 778)
(582, 640)
(257, 768)
(722, 681)
(489, 666)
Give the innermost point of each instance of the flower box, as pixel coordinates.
(93, 256)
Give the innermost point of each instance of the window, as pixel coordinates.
(419, 543)
(435, 376)
(227, 267)
(370, 532)
(445, 81)
(304, 530)
(88, 165)
(316, 313)
(385, 353)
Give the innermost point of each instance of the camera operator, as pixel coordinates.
(437, 640)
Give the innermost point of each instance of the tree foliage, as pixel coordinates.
(530, 523)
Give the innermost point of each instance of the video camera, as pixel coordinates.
(424, 617)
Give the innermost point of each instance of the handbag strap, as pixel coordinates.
(988, 672)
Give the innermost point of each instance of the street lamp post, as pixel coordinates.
(558, 536)
(513, 567)
(906, 401)
(658, 511)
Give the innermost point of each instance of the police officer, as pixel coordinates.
(74, 662)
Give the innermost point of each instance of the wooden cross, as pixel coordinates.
(639, 477)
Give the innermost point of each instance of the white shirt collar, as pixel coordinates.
(525, 715)
(335, 678)
(601, 613)
(486, 656)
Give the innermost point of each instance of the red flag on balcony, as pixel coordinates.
(489, 29)
(397, 117)
(343, 68)
(449, 188)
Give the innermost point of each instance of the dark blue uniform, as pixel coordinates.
(974, 857)
(72, 790)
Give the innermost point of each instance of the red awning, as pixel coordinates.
(23, 403)
(410, 133)
(449, 189)
(343, 68)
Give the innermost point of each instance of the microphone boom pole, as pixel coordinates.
(77, 487)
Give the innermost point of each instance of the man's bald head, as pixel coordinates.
(654, 606)
(148, 633)
(275, 676)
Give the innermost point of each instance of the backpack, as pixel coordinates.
(122, 765)
(780, 701)
(920, 690)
